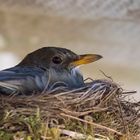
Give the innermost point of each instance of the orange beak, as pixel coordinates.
(86, 59)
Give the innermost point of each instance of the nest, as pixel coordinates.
(102, 98)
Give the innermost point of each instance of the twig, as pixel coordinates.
(92, 123)
(121, 115)
(83, 113)
(129, 92)
(76, 135)
(109, 77)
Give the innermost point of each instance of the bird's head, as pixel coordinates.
(57, 58)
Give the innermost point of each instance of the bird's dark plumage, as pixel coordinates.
(45, 69)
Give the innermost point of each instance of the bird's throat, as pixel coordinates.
(71, 78)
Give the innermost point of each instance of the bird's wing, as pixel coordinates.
(9, 86)
(20, 79)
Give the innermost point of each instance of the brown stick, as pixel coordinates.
(92, 123)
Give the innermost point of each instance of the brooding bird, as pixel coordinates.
(45, 69)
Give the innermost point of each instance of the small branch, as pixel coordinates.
(109, 77)
(121, 115)
(76, 135)
(129, 92)
(84, 112)
(92, 123)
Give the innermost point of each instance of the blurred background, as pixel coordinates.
(107, 27)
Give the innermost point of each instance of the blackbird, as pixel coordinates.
(45, 69)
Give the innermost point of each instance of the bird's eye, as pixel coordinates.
(57, 59)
